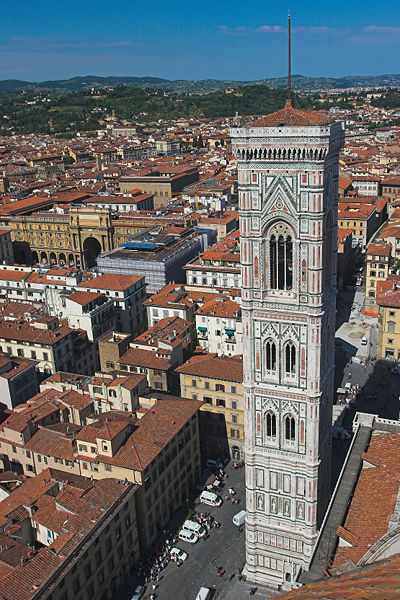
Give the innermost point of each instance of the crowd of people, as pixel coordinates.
(154, 564)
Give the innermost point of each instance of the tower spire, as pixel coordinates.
(289, 83)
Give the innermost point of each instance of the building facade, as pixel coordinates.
(217, 381)
(377, 268)
(288, 187)
(388, 301)
(67, 239)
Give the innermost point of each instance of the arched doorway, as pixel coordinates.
(43, 257)
(53, 258)
(35, 258)
(71, 260)
(91, 249)
(61, 258)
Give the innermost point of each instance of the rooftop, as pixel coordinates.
(292, 117)
(212, 366)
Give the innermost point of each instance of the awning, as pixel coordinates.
(202, 328)
(229, 331)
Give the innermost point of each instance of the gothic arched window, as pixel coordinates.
(289, 428)
(281, 257)
(270, 424)
(290, 358)
(270, 355)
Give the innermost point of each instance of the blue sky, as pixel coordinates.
(176, 39)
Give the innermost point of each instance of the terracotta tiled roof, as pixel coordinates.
(153, 432)
(171, 330)
(75, 399)
(10, 330)
(220, 307)
(389, 297)
(5, 274)
(84, 298)
(354, 211)
(37, 408)
(144, 358)
(23, 581)
(212, 366)
(71, 512)
(110, 281)
(291, 117)
(51, 443)
(343, 234)
(379, 581)
(379, 249)
(367, 521)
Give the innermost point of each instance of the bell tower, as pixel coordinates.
(288, 188)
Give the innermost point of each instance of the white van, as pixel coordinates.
(187, 536)
(203, 594)
(239, 518)
(210, 498)
(194, 528)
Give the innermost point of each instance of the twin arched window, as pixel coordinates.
(289, 426)
(289, 357)
(280, 257)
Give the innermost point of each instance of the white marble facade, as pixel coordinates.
(288, 182)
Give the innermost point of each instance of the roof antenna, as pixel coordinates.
(289, 83)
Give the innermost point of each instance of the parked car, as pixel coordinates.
(138, 592)
(180, 554)
(203, 594)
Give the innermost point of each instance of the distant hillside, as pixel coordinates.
(299, 82)
(77, 84)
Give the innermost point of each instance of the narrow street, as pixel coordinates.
(224, 548)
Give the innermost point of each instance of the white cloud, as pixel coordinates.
(381, 29)
(240, 30)
(271, 29)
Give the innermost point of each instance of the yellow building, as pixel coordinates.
(388, 300)
(217, 381)
(76, 238)
(377, 269)
(73, 239)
